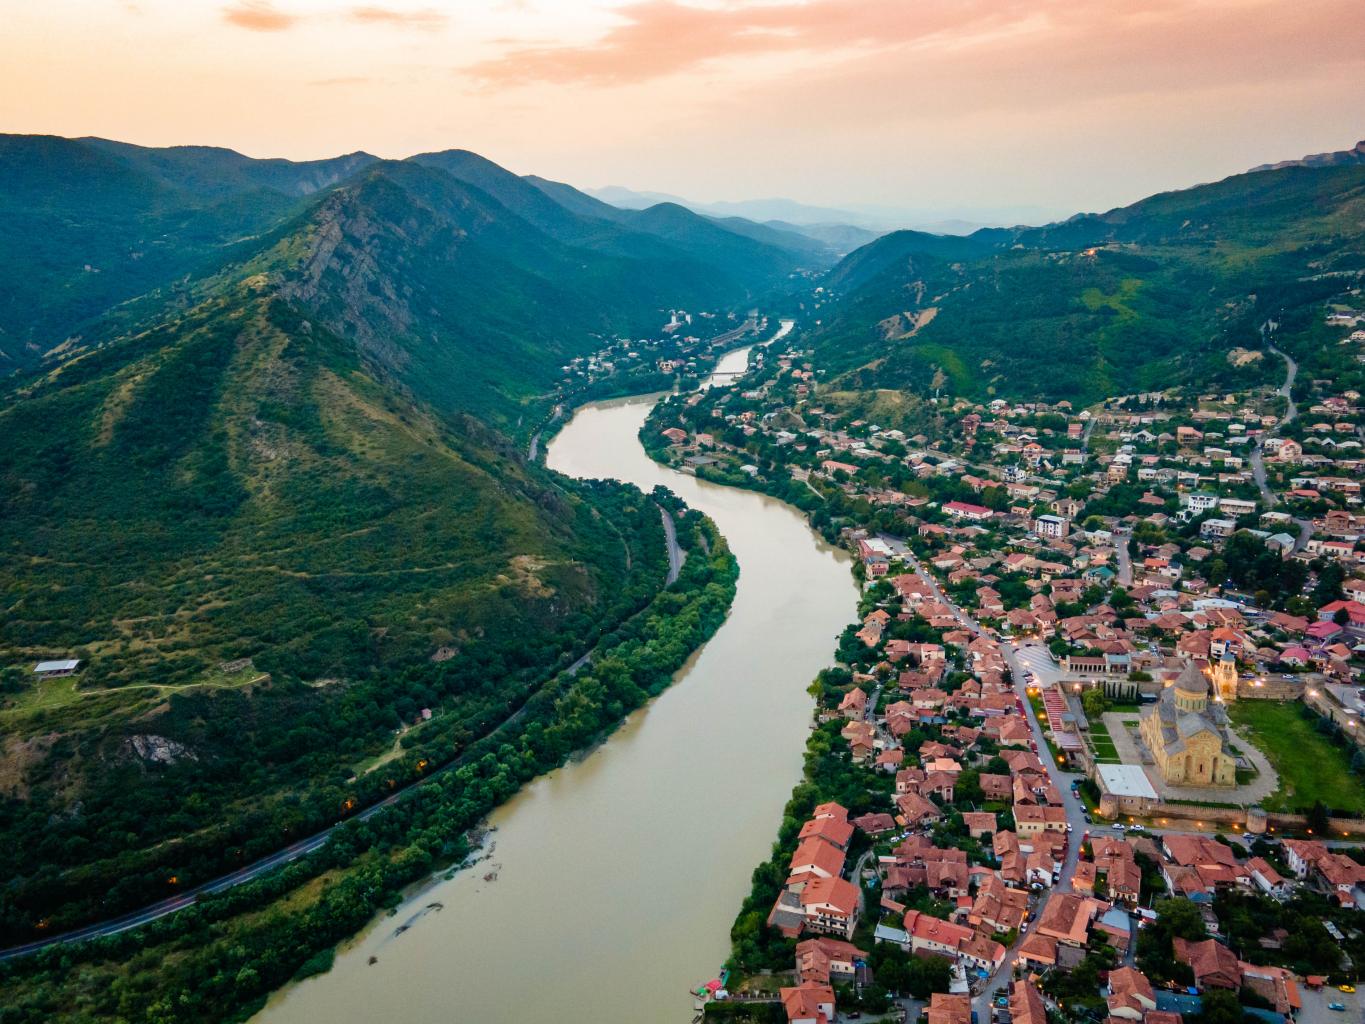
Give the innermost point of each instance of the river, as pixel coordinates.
(612, 882)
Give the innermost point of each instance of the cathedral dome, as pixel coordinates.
(1192, 689)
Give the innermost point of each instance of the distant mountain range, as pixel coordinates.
(851, 226)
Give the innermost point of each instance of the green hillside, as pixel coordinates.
(1139, 298)
(265, 480)
(235, 485)
(87, 224)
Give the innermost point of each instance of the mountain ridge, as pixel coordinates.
(1081, 307)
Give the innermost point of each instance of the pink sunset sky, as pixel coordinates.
(945, 105)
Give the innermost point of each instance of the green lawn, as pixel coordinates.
(1311, 767)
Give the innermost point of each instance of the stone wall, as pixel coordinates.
(1252, 819)
(1270, 688)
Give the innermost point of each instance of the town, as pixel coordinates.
(1094, 747)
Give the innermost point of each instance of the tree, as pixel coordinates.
(1181, 919)
(1094, 702)
(1220, 1007)
(1318, 818)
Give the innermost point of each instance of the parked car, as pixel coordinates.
(1336, 1006)
(1118, 826)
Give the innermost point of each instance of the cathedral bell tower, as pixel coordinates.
(1225, 678)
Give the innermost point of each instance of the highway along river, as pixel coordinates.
(613, 882)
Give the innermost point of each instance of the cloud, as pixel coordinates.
(258, 16)
(426, 18)
(264, 16)
(656, 38)
(342, 80)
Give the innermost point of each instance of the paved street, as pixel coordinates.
(1038, 660)
(1268, 496)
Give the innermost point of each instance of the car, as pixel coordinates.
(1336, 1006)
(1023, 927)
(1118, 826)
(1346, 988)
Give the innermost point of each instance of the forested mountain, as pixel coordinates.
(260, 471)
(86, 224)
(1141, 297)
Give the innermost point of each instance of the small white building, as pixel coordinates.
(53, 669)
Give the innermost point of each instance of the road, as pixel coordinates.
(1125, 576)
(191, 896)
(676, 555)
(1075, 810)
(534, 449)
(1075, 817)
(1268, 496)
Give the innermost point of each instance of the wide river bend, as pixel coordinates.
(613, 881)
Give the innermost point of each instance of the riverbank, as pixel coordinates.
(218, 959)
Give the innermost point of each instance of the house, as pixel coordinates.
(1335, 872)
(979, 823)
(1050, 526)
(998, 907)
(1130, 994)
(1031, 819)
(1067, 918)
(808, 1003)
(1217, 528)
(1038, 950)
(934, 935)
(1198, 502)
(1275, 985)
(823, 960)
(854, 704)
(1214, 965)
(1026, 1004)
(875, 824)
(916, 809)
(815, 857)
(832, 827)
(949, 1009)
(966, 510)
(830, 906)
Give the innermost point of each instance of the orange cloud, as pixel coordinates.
(258, 16)
(661, 37)
(654, 39)
(426, 18)
(263, 16)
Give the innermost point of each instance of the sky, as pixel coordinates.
(954, 106)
